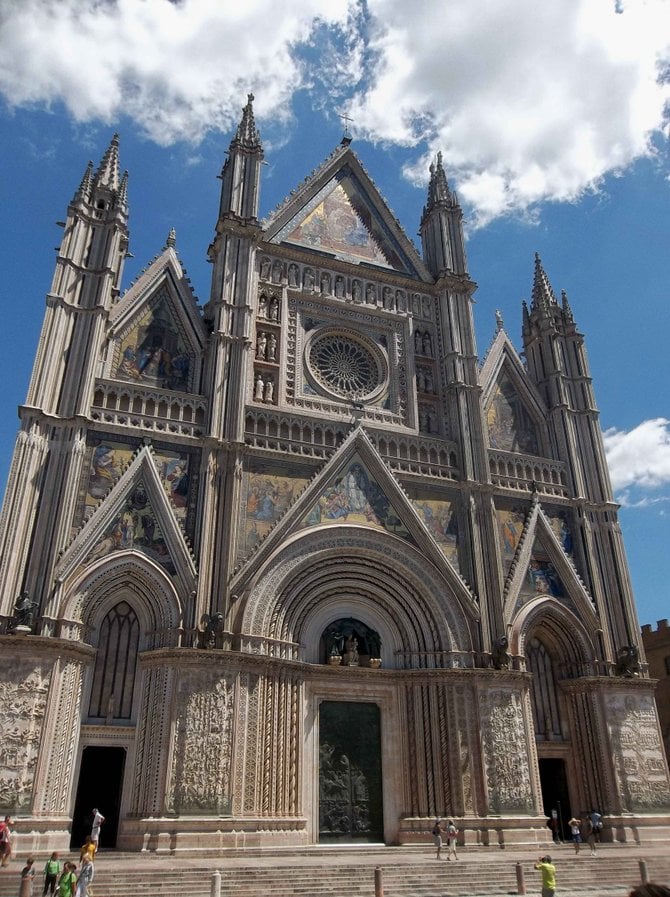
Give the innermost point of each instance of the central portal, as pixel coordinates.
(350, 772)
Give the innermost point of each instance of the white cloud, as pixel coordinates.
(528, 101)
(639, 458)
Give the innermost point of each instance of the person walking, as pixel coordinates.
(437, 833)
(5, 841)
(576, 832)
(98, 820)
(86, 876)
(548, 872)
(68, 881)
(27, 878)
(591, 837)
(52, 870)
(452, 833)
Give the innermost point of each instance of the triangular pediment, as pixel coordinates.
(338, 211)
(135, 516)
(543, 568)
(355, 488)
(156, 332)
(513, 408)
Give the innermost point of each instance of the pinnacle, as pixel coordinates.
(171, 240)
(542, 296)
(107, 174)
(247, 133)
(438, 186)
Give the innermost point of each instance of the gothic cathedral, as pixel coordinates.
(296, 566)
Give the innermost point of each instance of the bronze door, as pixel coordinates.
(350, 773)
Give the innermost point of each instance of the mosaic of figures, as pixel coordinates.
(136, 527)
(107, 459)
(268, 494)
(510, 426)
(511, 522)
(342, 223)
(154, 352)
(355, 497)
(442, 521)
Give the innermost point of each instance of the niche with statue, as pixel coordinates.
(349, 642)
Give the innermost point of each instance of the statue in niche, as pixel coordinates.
(351, 650)
(293, 274)
(500, 657)
(269, 390)
(258, 390)
(420, 380)
(308, 279)
(265, 269)
(213, 634)
(628, 661)
(432, 422)
(416, 304)
(400, 301)
(370, 294)
(261, 345)
(276, 272)
(430, 386)
(24, 611)
(263, 306)
(325, 284)
(418, 342)
(272, 347)
(427, 345)
(274, 309)
(425, 306)
(388, 298)
(339, 287)
(356, 292)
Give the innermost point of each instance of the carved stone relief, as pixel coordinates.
(637, 750)
(505, 752)
(201, 763)
(23, 698)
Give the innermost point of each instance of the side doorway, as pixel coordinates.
(100, 786)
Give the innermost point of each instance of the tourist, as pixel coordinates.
(27, 878)
(98, 819)
(87, 850)
(5, 841)
(68, 880)
(576, 832)
(452, 832)
(437, 837)
(548, 872)
(86, 876)
(591, 836)
(52, 870)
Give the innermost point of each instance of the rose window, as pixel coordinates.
(344, 366)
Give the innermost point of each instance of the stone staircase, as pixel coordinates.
(405, 873)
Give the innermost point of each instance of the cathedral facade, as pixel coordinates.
(296, 566)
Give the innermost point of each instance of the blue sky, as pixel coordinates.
(551, 123)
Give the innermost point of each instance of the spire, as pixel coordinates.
(442, 226)
(500, 325)
(543, 295)
(84, 190)
(108, 173)
(247, 134)
(567, 311)
(123, 192)
(171, 241)
(438, 186)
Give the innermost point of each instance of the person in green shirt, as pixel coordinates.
(52, 870)
(548, 872)
(68, 881)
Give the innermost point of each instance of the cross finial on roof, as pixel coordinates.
(346, 118)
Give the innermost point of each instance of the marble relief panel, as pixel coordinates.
(637, 750)
(505, 752)
(23, 697)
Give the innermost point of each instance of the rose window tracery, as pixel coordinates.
(344, 366)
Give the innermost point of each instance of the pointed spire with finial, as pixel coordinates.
(565, 305)
(499, 321)
(442, 226)
(107, 174)
(247, 133)
(171, 241)
(543, 295)
(438, 186)
(84, 190)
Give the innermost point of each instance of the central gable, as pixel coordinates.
(338, 211)
(340, 220)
